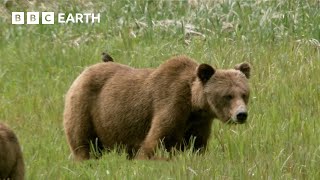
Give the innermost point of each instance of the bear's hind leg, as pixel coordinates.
(78, 129)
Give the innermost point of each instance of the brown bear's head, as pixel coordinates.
(226, 92)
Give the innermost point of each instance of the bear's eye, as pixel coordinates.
(228, 97)
(244, 96)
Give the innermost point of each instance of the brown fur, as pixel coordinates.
(11, 160)
(119, 105)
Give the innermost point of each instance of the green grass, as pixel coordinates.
(279, 38)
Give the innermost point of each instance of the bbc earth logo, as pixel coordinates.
(49, 18)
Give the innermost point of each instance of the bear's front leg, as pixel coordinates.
(168, 126)
(198, 134)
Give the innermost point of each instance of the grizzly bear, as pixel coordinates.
(11, 160)
(111, 104)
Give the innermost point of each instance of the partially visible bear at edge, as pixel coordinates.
(111, 104)
(11, 160)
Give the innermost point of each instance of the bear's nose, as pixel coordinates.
(242, 117)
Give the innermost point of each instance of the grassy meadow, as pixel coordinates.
(280, 39)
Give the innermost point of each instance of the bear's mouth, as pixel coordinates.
(232, 121)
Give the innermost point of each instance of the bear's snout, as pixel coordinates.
(241, 117)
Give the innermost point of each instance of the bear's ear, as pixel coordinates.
(244, 68)
(204, 72)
